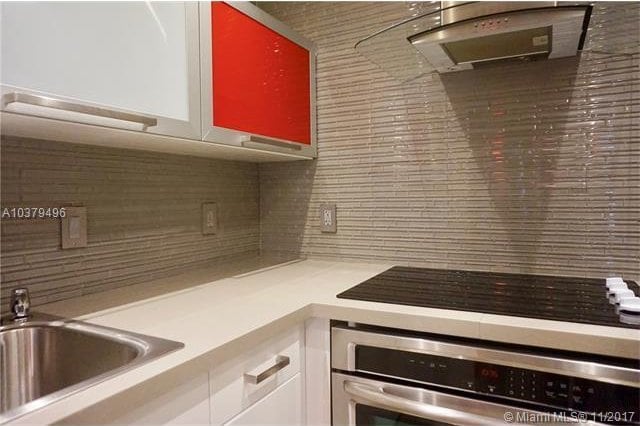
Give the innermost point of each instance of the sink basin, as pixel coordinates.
(46, 359)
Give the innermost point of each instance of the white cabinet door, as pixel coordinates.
(282, 407)
(232, 388)
(132, 65)
(258, 81)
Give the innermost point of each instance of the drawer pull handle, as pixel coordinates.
(281, 362)
(47, 102)
(252, 141)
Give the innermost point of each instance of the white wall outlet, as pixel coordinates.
(74, 227)
(209, 218)
(328, 218)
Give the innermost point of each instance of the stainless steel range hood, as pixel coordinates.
(467, 35)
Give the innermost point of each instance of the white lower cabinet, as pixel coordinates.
(263, 386)
(282, 407)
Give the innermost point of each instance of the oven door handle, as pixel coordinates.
(381, 399)
(377, 397)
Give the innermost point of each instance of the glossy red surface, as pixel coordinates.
(260, 78)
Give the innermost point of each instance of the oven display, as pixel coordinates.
(489, 373)
(529, 386)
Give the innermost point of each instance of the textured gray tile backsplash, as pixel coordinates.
(144, 212)
(526, 168)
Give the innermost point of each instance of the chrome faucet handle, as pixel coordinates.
(20, 303)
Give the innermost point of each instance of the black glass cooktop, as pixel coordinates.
(572, 299)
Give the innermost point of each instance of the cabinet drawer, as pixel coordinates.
(282, 407)
(241, 382)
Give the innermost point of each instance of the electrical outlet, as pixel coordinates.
(209, 218)
(74, 227)
(328, 218)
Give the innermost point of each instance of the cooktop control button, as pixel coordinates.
(613, 294)
(630, 305)
(630, 311)
(613, 281)
(623, 294)
(616, 286)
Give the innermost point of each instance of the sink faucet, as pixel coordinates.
(20, 304)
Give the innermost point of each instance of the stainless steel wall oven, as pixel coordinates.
(383, 377)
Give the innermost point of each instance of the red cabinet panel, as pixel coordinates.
(261, 81)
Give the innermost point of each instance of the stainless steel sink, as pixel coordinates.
(45, 359)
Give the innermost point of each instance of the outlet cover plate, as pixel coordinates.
(328, 218)
(73, 227)
(209, 218)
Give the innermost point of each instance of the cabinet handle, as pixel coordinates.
(281, 362)
(44, 101)
(249, 140)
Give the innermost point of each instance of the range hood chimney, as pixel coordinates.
(467, 35)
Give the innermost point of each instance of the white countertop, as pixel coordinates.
(221, 319)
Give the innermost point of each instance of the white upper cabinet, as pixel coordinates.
(127, 65)
(138, 75)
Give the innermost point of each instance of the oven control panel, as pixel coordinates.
(553, 389)
(530, 386)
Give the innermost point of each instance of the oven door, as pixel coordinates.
(365, 402)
